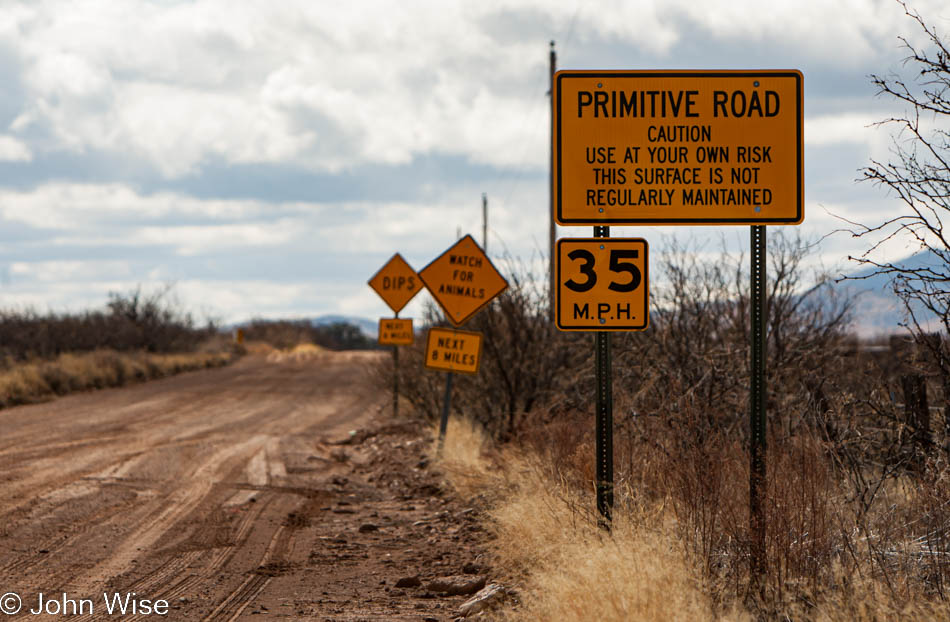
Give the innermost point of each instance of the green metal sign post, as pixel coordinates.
(604, 427)
(757, 426)
(446, 404)
(396, 378)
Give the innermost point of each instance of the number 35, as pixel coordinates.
(616, 265)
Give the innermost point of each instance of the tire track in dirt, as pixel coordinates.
(234, 603)
(40, 463)
(183, 489)
(173, 577)
(176, 506)
(167, 582)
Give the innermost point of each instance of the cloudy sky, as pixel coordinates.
(268, 157)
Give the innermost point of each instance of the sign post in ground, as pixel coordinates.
(463, 281)
(603, 286)
(604, 427)
(757, 421)
(395, 332)
(452, 351)
(683, 148)
(396, 283)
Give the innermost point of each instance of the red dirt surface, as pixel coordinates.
(261, 490)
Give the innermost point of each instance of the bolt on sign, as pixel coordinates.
(396, 283)
(678, 147)
(602, 284)
(453, 350)
(462, 280)
(395, 332)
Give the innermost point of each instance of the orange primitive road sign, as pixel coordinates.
(602, 284)
(396, 283)
(453, 350)
(678, 147)
(462, 280)
(395, 332)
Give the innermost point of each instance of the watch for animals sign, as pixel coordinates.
(678, 147)
(462, 280)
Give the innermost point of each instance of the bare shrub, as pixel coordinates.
(525, 362)
(851, 507)
(285, 334)
(153, 322)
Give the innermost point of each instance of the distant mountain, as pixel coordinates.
(877, 309)
(370, 328)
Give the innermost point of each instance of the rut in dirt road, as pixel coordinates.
(176, 489)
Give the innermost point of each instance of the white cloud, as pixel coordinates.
(182, 84)
(81, 208)
(58, 272)
(14, 150)
(195, 240)
(317, 257)
(179, 85)
(173, 88)
(854, 127)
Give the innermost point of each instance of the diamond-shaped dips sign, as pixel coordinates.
(396, 283)
(462, 280)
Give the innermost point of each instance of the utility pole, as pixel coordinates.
(485, 223)
(553, 231)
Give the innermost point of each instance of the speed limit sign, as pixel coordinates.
(602, 284)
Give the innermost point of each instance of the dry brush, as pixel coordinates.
(856, 504)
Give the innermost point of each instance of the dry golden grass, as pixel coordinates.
(464, 449)
(564, 567)
(41, 380)
(464, 459)
(258, 347)
(574, 571)
(569, 568)
(300, 353)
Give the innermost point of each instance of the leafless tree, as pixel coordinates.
(918, 174)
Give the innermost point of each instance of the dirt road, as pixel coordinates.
(230, 493)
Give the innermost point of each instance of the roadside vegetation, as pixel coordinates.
(287, 334)
(134, 321)
(40, 380)
(858, 488)
(137, 336)
(858, 485)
